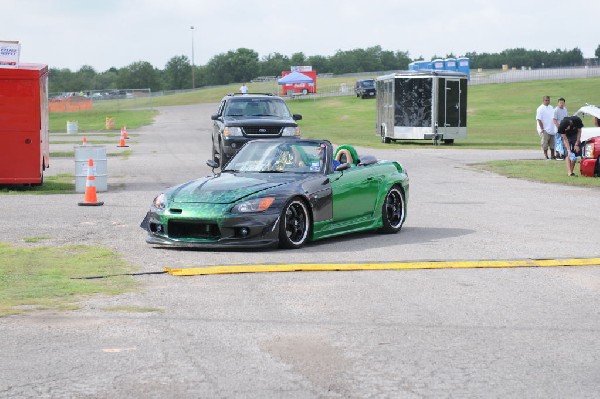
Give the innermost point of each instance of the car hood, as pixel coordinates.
(225, 188)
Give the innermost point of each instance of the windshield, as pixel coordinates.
(257, 107)
(367, 84)
(277, 156)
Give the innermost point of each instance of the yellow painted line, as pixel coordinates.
(320, 267)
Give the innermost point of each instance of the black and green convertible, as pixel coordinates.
(281, 192)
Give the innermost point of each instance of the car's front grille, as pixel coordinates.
(262, 130)
(192, 229)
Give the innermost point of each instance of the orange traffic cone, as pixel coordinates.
(84, 141)
(124, 130)
(90, 198)
(122, 140)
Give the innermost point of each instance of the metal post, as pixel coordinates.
(193, 78)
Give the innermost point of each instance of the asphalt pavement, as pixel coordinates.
(507, 332)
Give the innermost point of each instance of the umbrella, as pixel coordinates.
(295, 77)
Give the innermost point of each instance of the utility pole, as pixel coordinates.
(193, 78)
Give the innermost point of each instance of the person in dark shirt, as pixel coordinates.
(570, 131)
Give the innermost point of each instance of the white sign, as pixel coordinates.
(9, 54)
(301, 68)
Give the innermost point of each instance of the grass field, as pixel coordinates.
(46, 277)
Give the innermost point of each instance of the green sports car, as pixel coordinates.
(281, 192)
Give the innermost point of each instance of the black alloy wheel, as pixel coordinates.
(294, 224)
(393, 211)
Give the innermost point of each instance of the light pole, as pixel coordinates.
(193, 79)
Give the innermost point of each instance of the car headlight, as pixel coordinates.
(232, 131)
(254, 205)
(291, 131)
(588, 150)
(160, 202)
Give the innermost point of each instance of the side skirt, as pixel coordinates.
(328, 228)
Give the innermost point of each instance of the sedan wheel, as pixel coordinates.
(222, 158)
(393, 211)
(215, 157)
(294, 225)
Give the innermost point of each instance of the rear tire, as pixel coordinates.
(294, 224)
(393, 211)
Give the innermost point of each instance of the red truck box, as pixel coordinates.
(300, 88)
(24, 146)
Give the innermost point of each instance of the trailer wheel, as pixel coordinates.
(305, 91)
(449, 141)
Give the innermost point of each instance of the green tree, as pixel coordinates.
(139, 75)
(319, 63)
(234, 66)
(273, 64)
(178, 73)
(298, 59)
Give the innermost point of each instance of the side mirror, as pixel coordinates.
(212, 163)
(214, 117)
(297, 117)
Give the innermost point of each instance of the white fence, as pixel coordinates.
(520, 75)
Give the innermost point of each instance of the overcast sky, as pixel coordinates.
(107, 33)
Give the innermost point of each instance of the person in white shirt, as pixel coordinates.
(559, 113)
(244, 89)
(545, 126)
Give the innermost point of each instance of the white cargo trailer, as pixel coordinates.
(422, 105)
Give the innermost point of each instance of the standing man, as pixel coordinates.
(244, 89)
(570, 131)
(545, 126)
(559, 113)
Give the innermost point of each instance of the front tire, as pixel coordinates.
(393, 211)
(215, 157)
(294, 224)
(222, 157)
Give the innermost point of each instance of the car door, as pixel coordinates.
(354, 193)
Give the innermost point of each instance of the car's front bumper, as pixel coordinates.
(233, 230)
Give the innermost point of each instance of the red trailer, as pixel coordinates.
(24, 146)
(300, 87)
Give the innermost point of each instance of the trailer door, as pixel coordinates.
(449, 107)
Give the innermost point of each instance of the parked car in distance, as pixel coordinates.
(284, 192)
(590, 141)
(243, 117)
(365, 88)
